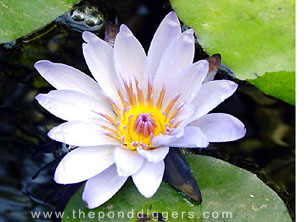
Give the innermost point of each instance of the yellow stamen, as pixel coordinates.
(141, 120)
(161, 98)
(122, 99)
(110, 119)
(150, 98)
(171, 104)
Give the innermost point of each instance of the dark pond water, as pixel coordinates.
(267, 150)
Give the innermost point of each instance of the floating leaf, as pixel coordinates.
(19, 18)
(225, 188)
(280, 84)
(254, 37)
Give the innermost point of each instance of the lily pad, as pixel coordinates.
(254, 37)
(19, 18)
(283, 87)
(229, 194)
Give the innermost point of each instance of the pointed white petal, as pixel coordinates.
(154, 155)
(100, 60)
(102, 187)
(128, 162)
(168, 30)
(184, 117)
(178, 55)
(130, 58)
(221, 127)
(81, 134)
(212, 94)
(186, 83)
(163, 140)
(73, 105)
(192, 138)
(83, 163)
(149, 178)
(66, 77)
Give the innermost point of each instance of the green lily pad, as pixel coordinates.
(254, 37)
(229, 194)
(19, 18)
(283, 86)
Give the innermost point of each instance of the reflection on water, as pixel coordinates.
(267, 150)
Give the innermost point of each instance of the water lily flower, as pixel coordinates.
(140, 105)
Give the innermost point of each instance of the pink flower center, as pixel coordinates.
(144, 124)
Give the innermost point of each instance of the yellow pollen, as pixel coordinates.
(142, 116)
(139, 124)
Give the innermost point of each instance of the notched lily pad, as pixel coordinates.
(254, 37)
(230, 194)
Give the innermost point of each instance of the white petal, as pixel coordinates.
(83, 163)
(184, 117)
(66, 77)
(128, 162)
(178, 55)
(212, 94)
(149, 178)
(130, 58)
(100, 60)
(168, 30)
(186, 83)
(192, 138)
(154, 155)
(221, 127)
(163, 140)
(102, 187)
(81, 134)
(73, 105)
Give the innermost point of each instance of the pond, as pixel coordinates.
(267, 150)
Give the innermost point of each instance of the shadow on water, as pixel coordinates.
(267, 150)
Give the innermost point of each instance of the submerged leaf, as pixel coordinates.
(178, 174)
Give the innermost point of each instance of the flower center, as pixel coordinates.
(142, 117)
(144, 125)
(140, 124)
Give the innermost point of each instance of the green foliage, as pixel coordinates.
(224, 187)
(280, 84)
(254, 37)
(19, 18)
